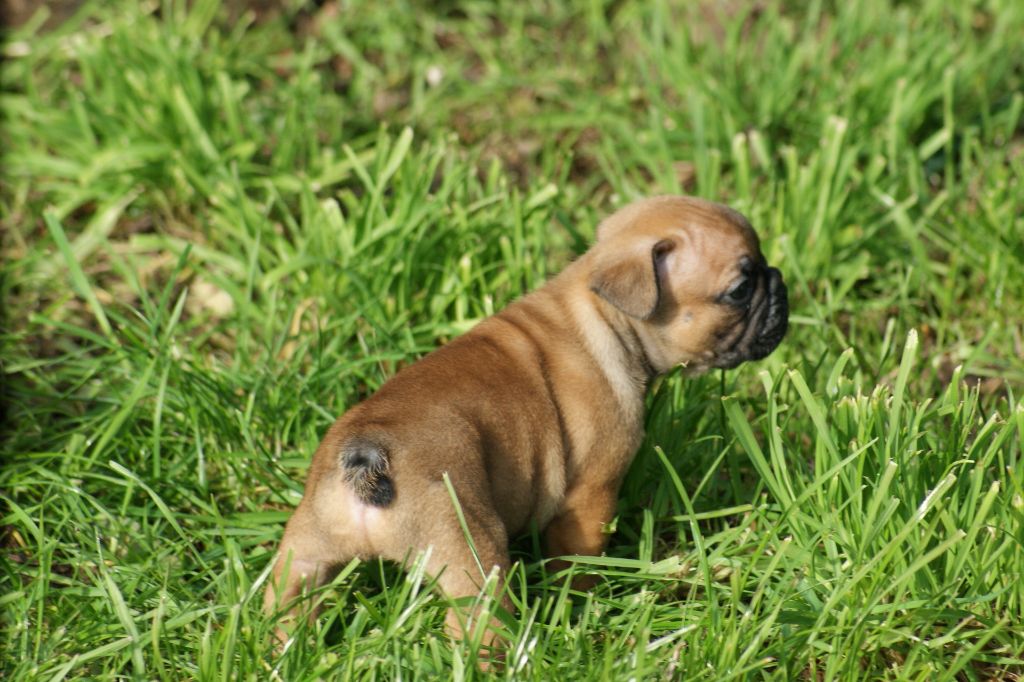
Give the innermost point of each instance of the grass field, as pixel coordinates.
(223, 227)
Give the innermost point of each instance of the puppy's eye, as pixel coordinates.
(741, 293)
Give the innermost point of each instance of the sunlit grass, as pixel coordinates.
(220, 233)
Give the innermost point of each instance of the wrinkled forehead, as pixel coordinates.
(700, 225)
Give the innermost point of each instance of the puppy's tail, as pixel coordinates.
(366, 466)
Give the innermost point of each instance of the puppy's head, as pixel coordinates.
(689, 276)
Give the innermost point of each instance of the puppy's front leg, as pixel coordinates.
(579, 528)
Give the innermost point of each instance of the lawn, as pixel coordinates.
(225, 223)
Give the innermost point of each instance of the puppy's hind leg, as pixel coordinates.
(308, 558)
(462, 566)
(333, 524)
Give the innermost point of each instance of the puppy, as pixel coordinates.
(536, 413)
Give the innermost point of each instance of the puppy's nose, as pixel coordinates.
(776, 287)
(779, 300)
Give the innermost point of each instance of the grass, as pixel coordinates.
(223, 227)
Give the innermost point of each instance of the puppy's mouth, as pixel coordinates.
(765, 323)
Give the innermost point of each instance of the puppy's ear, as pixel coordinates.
(630, 279)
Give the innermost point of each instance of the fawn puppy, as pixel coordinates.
(536, 413)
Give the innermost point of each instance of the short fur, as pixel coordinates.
(536, 413)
